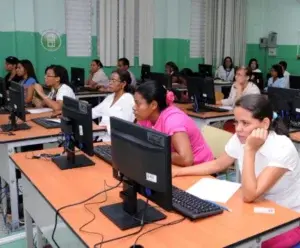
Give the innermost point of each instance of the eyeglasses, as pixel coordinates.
(114, 81)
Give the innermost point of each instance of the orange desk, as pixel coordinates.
(205, 118)
(47, 188)
(36, 135)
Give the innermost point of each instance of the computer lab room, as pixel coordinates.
(149, 123)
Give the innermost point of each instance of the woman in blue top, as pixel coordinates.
(26, 71)
(277, 79)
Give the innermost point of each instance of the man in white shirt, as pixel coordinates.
(286, 74)
(123, 64)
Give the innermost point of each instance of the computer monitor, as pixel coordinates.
(3, 94)
(201, 91)
(77, 127)
(16, 108)
(282, 99)
(148, 173)
(294, 82)
(205, 70)
(257, 78)
(162, 78)
(77, 77)
(145, 72)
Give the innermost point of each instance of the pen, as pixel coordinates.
(220, 206)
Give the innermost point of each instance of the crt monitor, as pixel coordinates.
(77, 77)
(139, 174)
(201, 90)
(3, 94)
(77, 128)
(205, 70)
(162, 78)
(145, 72)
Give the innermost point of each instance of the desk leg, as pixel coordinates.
(28, 229)
(39, 236)
(14, 203)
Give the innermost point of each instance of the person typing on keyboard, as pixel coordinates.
(118, 104)
(241, 87)
(268, 160)
(153, 109)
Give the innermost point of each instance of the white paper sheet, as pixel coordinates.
(226, 107)
(54, 120)
(214, 189)
(39, 110)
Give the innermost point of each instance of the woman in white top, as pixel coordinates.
(267, 159)
(56, 77)
(226, 71)
(97, 78)
(241, 87)
(253, 64)
(118, 104)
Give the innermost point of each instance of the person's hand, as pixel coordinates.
(256, 139)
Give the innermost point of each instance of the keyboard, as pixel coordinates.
(46, 123)
(84, 88)
(103, 152)
(193, 207)
(209, 108)
(8, 127)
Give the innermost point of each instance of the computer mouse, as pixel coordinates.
(136, 246)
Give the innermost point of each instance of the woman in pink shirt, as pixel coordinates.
(154, 109)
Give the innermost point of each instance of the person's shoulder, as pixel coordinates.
(279, 144)
(173, 114)
(30, 81)
(254, 88)
(128, 97)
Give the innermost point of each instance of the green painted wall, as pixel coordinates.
(27, 45)
(284, 52)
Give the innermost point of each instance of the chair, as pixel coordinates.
(216, 139)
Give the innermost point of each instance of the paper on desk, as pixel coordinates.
(227, 107)
(214, 189)
(39, 110)
(54, 120)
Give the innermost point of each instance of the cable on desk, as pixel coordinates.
(127, 235)
(75, 204)
(160, 226)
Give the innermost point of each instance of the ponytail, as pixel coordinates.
(279, 127)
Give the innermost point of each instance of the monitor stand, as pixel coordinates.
(129, 213)
(13, 126)
(72, 161)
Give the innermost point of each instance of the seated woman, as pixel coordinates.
(268, 160)
(253, 64)
(226, 71)
(26, 72)
(277, 79)
(241, 87)
(153, 109)
(97, 77)
(57, 78)
(119, 104)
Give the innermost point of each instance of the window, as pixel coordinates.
(197, 29)
(78, 27)
(120, 33)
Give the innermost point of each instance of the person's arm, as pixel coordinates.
(55, 105)
(218, 165)
(253, 187)
(99, 109)
(230, 100)
(183, 155)
(30, 93)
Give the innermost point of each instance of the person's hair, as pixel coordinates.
(173, 66)
(283, 64)
(125, 77)
(232, 66)
(278, 69)
(12, 60)
(261, 108)
(28, 67)
(253, 60)
(61, 72)
(98, 62)
(247, 70)
(124, 61)
(154, 91)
